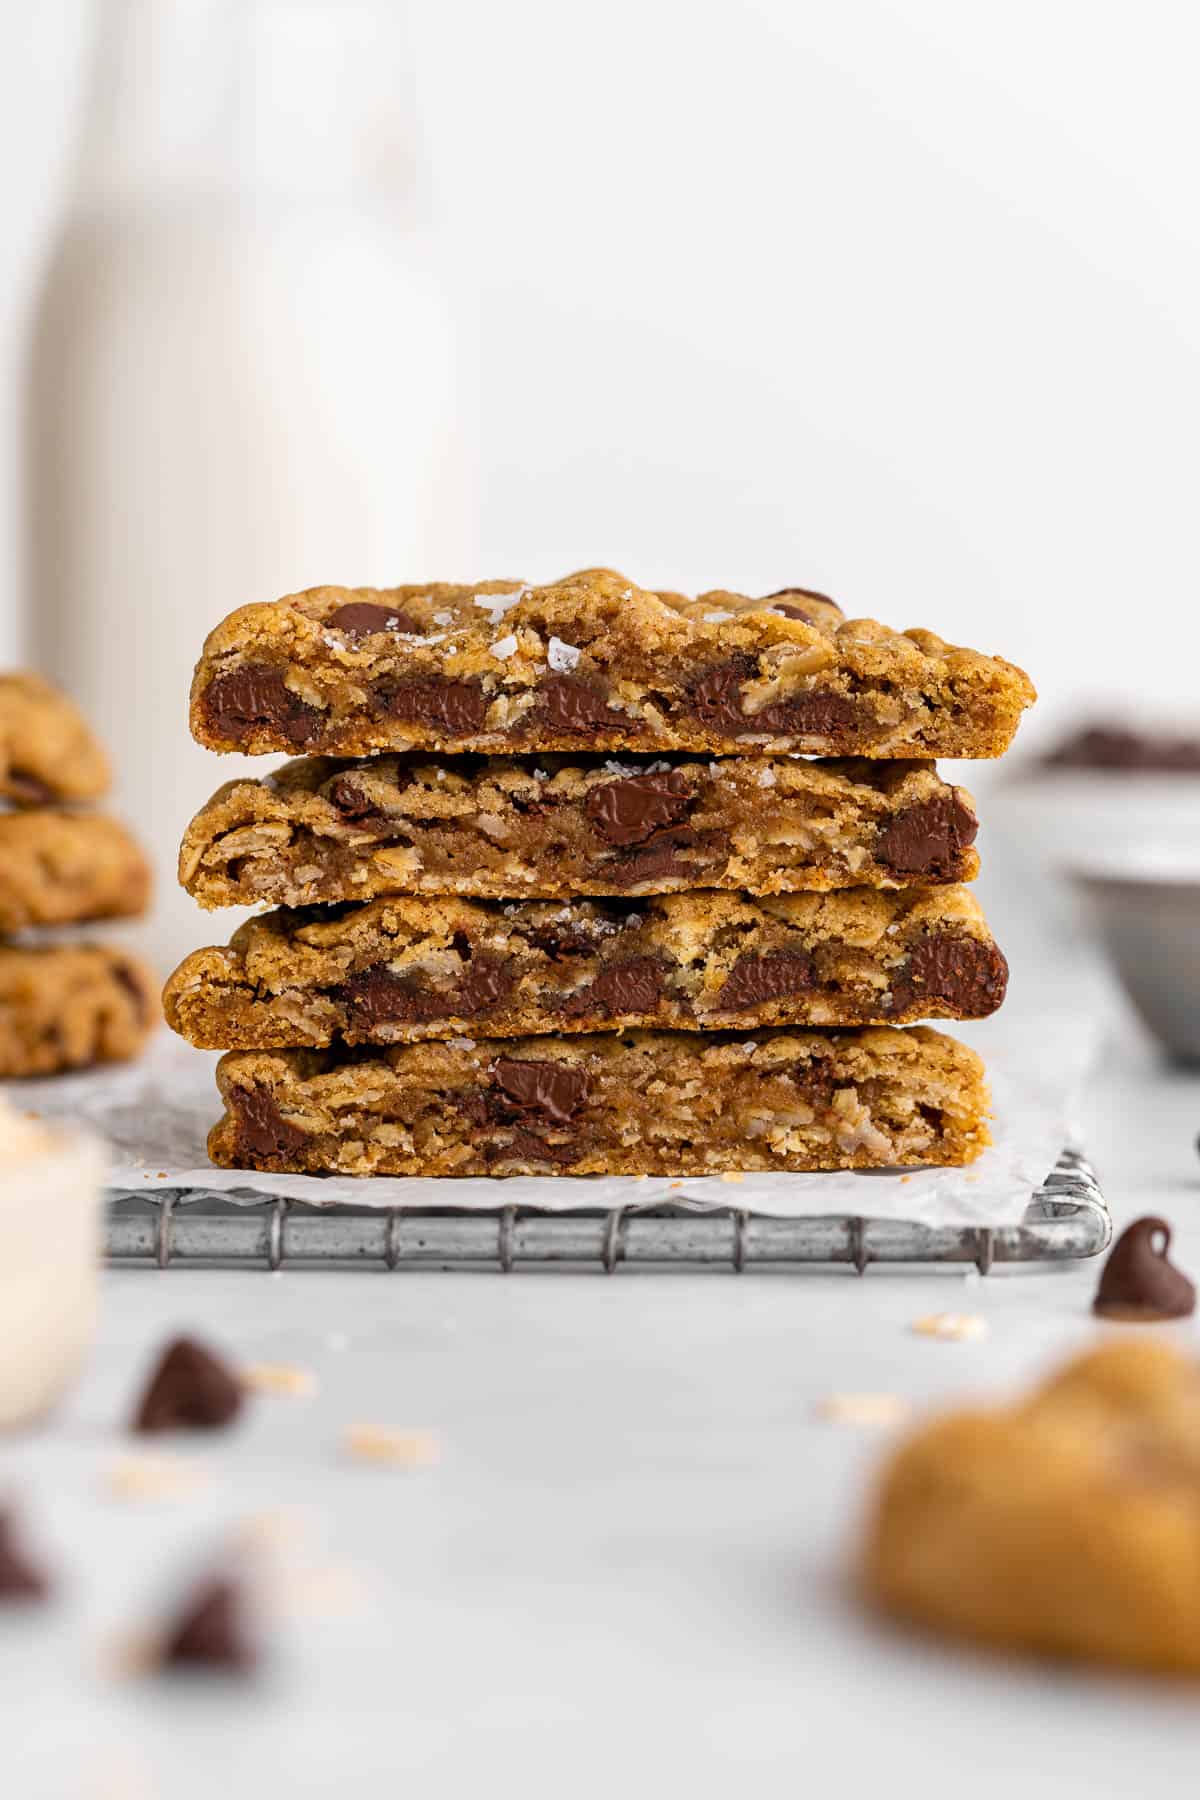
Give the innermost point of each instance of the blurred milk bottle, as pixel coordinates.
(242, 375)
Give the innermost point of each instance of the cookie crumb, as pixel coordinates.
(384, 1445)
(732, 1175)
(153, 1478)
(864, 1409)
(950, 1326)
(279, 1378)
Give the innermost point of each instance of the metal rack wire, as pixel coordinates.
(1067, 1217)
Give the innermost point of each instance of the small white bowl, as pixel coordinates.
(1147, 916)
(51, 1204)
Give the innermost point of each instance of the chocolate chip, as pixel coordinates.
(1138, 1283)
(717, 702)
(355, 804)
(21, 1582)
(256, 698)
(662, 860)
(190, 1387)
(753, 980)
(793, 612)
(569, 705)
(631, 987)
(447, 708)
(630, 810)
(27, 790)
(805, 594)
(967, 973)
(555, 1091)
(379, 995)
(527, 1146)
(262, 1129)
(929, 838)
(211, 1630)
(361, 618)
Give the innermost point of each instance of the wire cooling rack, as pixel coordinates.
(1066, 1217)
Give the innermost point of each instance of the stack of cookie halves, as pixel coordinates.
(63, 1005)
(560, 888)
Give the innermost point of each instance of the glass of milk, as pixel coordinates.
(51, 1204)
(242, 375)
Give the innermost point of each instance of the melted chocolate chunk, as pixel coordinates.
(965, 972)
(262, 1129)
(716, 701)
(446, 708)
(527, 1146)
(1138, 1283)
(805, 594)
(561, 940)
(256, 698)
(661, 858)
(361, 618)
(793, 612)
(634, 986)
(630, 810)
(211, 1630)
(378, 995)
(20, 1580)
(815, 1082)
(190, 1387)
(929, 838)
(550, 1090)
(568, 705)
(28, 790)
(753, 980)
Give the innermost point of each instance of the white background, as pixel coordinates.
(899, 300)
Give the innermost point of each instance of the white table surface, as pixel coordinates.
(628, 1567)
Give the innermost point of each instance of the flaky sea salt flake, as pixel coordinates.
(496, 605)
(562, 657)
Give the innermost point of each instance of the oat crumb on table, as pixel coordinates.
(279, 1378)
(950, 1326)
(386, 1446)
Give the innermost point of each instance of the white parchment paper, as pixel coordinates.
(156, 1113)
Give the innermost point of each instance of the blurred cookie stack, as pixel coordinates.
(560, 887)
(63, 1004)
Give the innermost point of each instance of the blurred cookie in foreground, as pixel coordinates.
(71, 1006)
(1064, 1525)
(48, 753)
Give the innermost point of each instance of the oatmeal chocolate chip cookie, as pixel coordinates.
(1065, 1525)
(47, 752)
(681, 1103)
(59, 868)
(591, 662)
(392, 971)
(70, 1006)
(503, 827)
